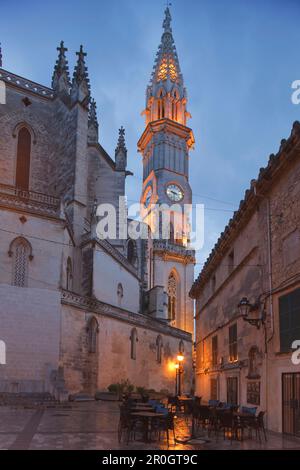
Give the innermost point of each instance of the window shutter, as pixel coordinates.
(289, 319)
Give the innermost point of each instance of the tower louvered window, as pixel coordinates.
(172, 296)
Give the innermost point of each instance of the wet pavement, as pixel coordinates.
(93, 425)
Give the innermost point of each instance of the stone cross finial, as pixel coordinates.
(61, 78)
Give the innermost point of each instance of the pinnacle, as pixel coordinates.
(93, 113)
(61, 67)
(80, 73)
(121, 141)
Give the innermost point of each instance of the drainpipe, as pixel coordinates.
(270, 282)
(270, 268)
(270, 279)
(185, 301)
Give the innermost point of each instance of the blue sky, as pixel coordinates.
(238, 58)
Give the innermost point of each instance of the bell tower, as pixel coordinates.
(165, 145)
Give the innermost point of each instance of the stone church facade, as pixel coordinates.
(79, 312)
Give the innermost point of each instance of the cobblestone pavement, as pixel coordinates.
(93, 425)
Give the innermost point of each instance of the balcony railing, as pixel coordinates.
(173, 247)
(18, 196)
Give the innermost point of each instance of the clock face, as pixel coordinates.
(148, 197)
(174, 192)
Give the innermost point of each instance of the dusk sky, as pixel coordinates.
(238, 59)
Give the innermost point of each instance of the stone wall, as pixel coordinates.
(113, 355)
(30, 328)
(109, 274)
(50, 247)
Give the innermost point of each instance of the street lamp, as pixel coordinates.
(254, 314)
(179, 371)
(176, 378)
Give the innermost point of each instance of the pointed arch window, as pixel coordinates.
(160, 106)
(162, 109)
(23, 158)
(69, 275)
(2, 353)
(120, 293)
(159, 346)
(93, 330)
(174, 111)
(133, 341)
(181, 346)
(172, 297)
(172, 229)
(172, 233)
(21, 252)
(131, 252)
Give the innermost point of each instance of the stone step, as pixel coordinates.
(26, 399)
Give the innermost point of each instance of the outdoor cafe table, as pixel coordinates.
(147, 416)
(243, 416)
(185, 401)
(142, 406)
(138, 409)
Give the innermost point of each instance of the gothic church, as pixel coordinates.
(78, 312)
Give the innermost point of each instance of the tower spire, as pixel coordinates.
(61, 78)
(166, 65)
(80, 83)
(167, 20)
(166, 96)
(0, 55)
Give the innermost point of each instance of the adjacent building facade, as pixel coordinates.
(256, 257)
(79, 311)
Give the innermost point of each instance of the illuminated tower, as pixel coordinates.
(165, 145)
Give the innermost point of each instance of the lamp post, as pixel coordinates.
(176, 378)
(254, 314)
(180, 359)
